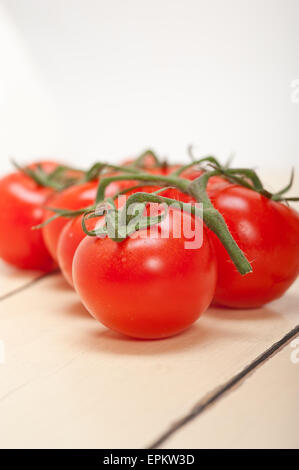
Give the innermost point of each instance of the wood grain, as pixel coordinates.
(69, 382)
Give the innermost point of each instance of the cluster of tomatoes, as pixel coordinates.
(144, 286)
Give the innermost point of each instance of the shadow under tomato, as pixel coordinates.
(76, 309)
(98, 339)
(59, 283)
(251, 314)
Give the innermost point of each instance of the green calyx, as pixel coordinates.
(120, 224)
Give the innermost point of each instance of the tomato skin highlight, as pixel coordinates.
(146, 288)
(21, 208)
(268, 233)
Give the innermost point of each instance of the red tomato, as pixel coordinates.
(146, 287)
(73, 198)
(268, 234)
(21, 202)
(70, 237)
(72, 233)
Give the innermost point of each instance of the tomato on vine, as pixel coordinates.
(21, 207)
(146, 287)
(72, 233)
(73, 198)
(267, 232)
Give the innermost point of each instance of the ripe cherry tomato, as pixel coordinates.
(21, 208)
(268, 234)
(73, 198)
(72, 233)
(146, 287)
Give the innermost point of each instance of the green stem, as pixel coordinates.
(197, 189)
(211, 217)
(209, 159)
(277, 196)
(179, 183)
(232, 174)
(214, 220)
(57, 179)
(97, 168)
(140, 160)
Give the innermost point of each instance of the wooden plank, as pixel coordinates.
(262, 413)
(69, 382)
(13, 279)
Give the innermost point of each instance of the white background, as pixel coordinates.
(87, 79)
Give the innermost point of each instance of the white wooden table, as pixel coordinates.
(66, 381)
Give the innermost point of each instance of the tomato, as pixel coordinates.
(73, 198)
(21, 208)
(146, 286)
(268, 233)
(71, 235)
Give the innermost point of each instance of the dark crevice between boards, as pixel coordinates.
(218, 393)
(27, 285)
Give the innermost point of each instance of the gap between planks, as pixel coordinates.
(221, 391)
(27, 285)
(211, 397)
